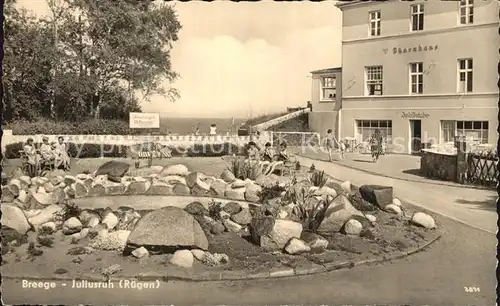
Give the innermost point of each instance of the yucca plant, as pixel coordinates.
(318, 179)
(311, 210)
(243, 170)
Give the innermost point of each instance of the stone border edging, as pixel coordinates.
(239, 275)
(436, 182)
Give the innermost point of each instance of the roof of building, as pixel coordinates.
(342, 4)
(327, 70)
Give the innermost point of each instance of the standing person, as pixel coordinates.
(342, 148)
(32, 158)
(197, 131)
(213, 129)
(376, 145)
(329, 142)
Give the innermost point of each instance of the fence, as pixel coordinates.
(296, 139)
(482, 168)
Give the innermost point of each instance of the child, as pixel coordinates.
(269, 153)
(328, 142)
(342, 149)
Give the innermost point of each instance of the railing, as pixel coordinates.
(266, 125)
(482, 168)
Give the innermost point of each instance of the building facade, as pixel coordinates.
(326, 100)
(419, 71)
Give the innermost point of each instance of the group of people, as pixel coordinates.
(375, 142)
(268, 154)
(55, 153)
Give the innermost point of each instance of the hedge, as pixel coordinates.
(87, 127)
(96, 150)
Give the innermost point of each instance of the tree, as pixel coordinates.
(27, 63)
(119, 45)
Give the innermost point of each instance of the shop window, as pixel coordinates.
(475, 130)
(366, 128)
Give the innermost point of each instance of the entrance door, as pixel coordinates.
(415, 136)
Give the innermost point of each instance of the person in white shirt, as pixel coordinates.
(213, 130)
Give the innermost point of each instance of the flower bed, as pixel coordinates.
(232, 224)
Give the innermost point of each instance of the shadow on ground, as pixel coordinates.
(488, 204)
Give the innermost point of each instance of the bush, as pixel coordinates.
(87, 127)
(243, 170)
(318, 179)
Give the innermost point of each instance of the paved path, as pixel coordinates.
(475, 207)
(464, 257)
(396, 166)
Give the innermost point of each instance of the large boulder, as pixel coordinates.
(144, 172)
(46, 215)
(97, 190)
(181, 190)
(161, 188)
(13, 217)
(39, 200)
(273, 234)
(337, 215)
(353, 227)
(7, 195)
(423, 220)
(177, 169)
(138, 186)
(71, 226)
(113, 188)
(235, 194)
(217, 188)
(113, 168)
(377, 195)
(197, 185)
(196, 208)
(166, 230)
(173, 179)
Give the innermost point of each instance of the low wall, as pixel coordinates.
(440, 165)
(266, 125)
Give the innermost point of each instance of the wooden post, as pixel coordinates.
(461, 146)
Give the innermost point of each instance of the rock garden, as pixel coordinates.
(173, 221)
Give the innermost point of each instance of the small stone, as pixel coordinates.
(183, 258)
(198, 254)
(423, 219)
(111, 220)
(244, 217)
(196, 208)
(232, 208)
(140, 252)
(78, 260)
(93, 222)
(80, 250)
(396, 202)
(71, 226)
(296, 246)
(48, 228)
(217, 228)
(393, 209)
(371, 218)
(232, 226)
(353, 227)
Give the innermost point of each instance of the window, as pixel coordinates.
(465, 75)
(466, 11)
(448, 131)
(374, 23)
(366, 128)
(477, 130)
(417, 17)
(416, 78)
(374, 80)
(328, 88)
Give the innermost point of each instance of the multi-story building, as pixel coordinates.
(419, 71)
(326, 100)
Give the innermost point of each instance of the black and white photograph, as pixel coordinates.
(249, 153)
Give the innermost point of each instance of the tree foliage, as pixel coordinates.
(94, 56)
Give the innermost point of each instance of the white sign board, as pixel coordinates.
(144, 120)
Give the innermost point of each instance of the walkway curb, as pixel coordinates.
(240, 275)
(456, 185)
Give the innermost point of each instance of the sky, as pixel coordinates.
(245, 59)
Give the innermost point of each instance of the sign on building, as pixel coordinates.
(144, 120)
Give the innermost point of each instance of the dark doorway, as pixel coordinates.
(415, 136)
